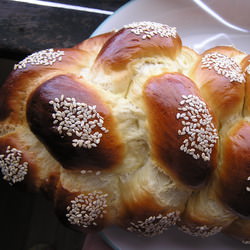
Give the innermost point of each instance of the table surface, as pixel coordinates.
(28, 221)
(26, 27)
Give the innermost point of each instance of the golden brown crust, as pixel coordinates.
(87, 206)
(151, 201)
(213, 208)
(94, 44)
(125, 46)
(198, 228)
(224, 92)
(235, 169)
(23, 166)
(147, 218)
(141, 203)
(246, 68)
(163, 95)
(40, 113)
(121, 128)
(239, 229)
(204, 214)
(63, 207)
(15, 91)
(9, 144)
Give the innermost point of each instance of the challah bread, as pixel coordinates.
(58, 140)
(25, 163)
(222, 82)
(163, 95)
(213, 208)
(217, 74)
(245, 65)
(240, 228)
(131, 128)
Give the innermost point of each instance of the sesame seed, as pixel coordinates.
(201, 133)
(248, 68)
(246, 242)
(201, 231)
(224, 65)
(98, 172)
(148, 30)
(90, 172)
(77, 121)
(11, 167)
(85, 209)
(154, 225)
(248, 188)
(44, 57)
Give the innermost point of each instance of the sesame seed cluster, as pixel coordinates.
(151, 29)
(248, 188)
(197, 125)
(201, 231)
(84, 210)
(246, 242)
(100, 166)
(90, 172)
(248, 69)
(11, 167)
(44, 57)
(224, 65)
(154, 225)
(73, 118)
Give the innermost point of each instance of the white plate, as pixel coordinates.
(201, 25)
(172, 239)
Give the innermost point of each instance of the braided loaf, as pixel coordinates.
(134, 129)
